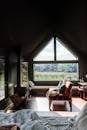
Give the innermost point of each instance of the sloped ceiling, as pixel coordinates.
(28, 25)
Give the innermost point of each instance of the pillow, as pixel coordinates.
(62, 89)
(59, 84)
(82, 113)
(58, 87)
(81, 119)
(31, 84)
(79, 122)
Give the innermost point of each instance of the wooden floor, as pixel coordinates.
(41, 104)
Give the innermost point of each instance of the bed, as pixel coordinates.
(27, 119)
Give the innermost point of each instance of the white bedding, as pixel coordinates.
(31, 120)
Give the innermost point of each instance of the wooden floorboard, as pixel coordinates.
(41, 104)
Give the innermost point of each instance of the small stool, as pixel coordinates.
(58, 105)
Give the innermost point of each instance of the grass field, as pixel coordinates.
(54, 76)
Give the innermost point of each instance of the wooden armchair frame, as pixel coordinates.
(67, 95)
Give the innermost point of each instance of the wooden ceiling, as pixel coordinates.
(28, 25)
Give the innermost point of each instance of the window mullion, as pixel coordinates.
(54, 48)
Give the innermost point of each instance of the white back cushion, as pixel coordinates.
(81, 119)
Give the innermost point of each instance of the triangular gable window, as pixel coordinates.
(62, 53)
(47, 54)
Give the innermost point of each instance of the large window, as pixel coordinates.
(2, 81)
(50, 65)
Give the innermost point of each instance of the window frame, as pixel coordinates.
(55, 60)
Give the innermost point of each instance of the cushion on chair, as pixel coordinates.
(53, 93)
(65, 89)
(62, 86)
(59, 85)
(62, 89)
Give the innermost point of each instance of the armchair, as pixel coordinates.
(66, 94)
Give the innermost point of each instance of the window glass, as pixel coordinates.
(2, 81)
(58, 69)
(63, 53)
(47, 54)
(55, 72)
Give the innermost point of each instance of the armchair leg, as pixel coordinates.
(50, 104)
(70, 104)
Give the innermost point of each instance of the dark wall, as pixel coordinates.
(12, 73)
(30, 69)
(82, 67)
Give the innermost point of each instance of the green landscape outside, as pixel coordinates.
(56, 72)
(54, 76)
